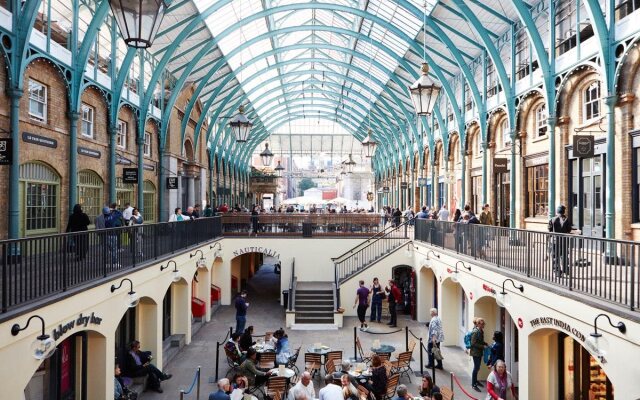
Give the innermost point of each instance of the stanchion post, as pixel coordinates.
(451, 381)
(217, 358)
(433, 372)
(421, 359)
(355, 347)
(198, 387)
(181, 394)
(406, 338)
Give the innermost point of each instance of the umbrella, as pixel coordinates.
(338, 200)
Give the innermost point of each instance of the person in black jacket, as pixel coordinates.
(560, 244)
(78, 222)
(246, 340)
(138, 363)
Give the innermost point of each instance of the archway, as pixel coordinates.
(565, 369)
(405, 278)
(454, 306)
(426, 293)
(486, 308)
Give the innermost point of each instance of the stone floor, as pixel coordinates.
(265, 314)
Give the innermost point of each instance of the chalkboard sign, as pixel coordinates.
(6, 154)
(130, 175)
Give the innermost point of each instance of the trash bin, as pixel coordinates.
(285, 298)
(307, 229)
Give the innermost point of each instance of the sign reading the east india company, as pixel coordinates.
(252, 249)
(542, 321)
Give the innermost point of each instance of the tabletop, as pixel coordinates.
(322, 350)
(261, 348)
(362, 374)
(288, 373)
(384, 348)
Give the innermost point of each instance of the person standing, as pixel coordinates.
(486, 216)
(177, 215)
(397, 216)
(241, 311)
(497, 349)
(423, 214)
(394, 297)
(254, 221)
(136, 219)
(477, 351)
(78, 222)
(499, 382)
(560, 244)
(208, 211)
(443, 214)
(127, 213)
(362, 302)
(377, 295)
(196, 211)
(436, 336)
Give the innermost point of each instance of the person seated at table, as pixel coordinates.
(283, 352)
(256, 376)
(246, 340)
(377, 384)
(299, 394)
(402, 393)
(138, 363)
(240, 382)
(233, 348)
(330, 391)
(270, 340)
(349, 391)
(305, 384)
(224, 387)
(427, 387)
(345, 366)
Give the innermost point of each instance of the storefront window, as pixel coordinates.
(41, 188)
(149, 198)
(124, 193)
(90, 196)
(476, 193)
(581, 375)
(537, 193)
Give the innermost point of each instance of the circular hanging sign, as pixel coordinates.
(520, 323)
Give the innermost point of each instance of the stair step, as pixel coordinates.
(314, 320)
(314, 301)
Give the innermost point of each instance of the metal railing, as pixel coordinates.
(301, 225)
(389, 226)
(37, 268)
(361, 258)
(292, 286)
(605, 269)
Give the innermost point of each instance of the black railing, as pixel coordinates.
(292, 286)
(390, 225)
(353, 262)
(601, 268)
(35, 268)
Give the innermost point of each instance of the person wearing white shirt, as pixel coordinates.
(443, 215)
(127, 213)
(331, 391)
(304, 385)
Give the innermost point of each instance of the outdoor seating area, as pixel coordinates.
(287, 224)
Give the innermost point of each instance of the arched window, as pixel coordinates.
(591, 102)
(149, 200)
(124, 193)
(90, 193)
(541, 120)
(506, 135)
(40, 191)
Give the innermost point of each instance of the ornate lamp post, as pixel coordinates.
(267, 156)
(241, 126)
(424, 92)
(369, 145)
(138, 20)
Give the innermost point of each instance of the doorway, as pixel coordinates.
(587, 197)
(503, 198)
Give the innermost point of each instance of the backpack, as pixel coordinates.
(467, 339)
(113, 219)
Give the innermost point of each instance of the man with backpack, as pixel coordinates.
(112, 219)
(560, 244)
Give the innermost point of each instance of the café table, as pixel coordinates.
(288, 373)
(384, 348)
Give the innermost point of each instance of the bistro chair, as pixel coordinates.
(384, 356)
(292, 360)
(276, 386)
(447, 394)
(232, 361)
(329, 366)
(362, 356)
(392, 384)
(387, 366)
(363, 393)
(412, 345)
(333, 357)
(312, 363)
(267, 360)
(402, 365)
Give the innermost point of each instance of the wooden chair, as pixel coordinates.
(412, 345)
(384, 356)
(402, 365)
(276, 386)
(387, 366)
(291, 362)
(332, 357)
(329, 366)
(392, 384)
(232, 361)
(267, 360)
(362, 356)
(312, 363)
(363, 393)
(447, 394)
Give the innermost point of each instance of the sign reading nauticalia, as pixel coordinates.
(252, 249)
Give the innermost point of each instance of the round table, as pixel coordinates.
(322, 351)
(384, 348)
(288, 373)
(365, 374)
(263, 349)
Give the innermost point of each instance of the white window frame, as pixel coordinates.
(541, 120)
(88, 115)
(33, 84)
(506, 137)
(147, 144)
(121, 135)
(589, 103)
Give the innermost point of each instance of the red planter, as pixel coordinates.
(197, 307)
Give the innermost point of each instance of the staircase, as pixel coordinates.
(314, 303)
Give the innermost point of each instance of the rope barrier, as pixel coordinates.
(382, 333)
(196, 379)
(218, 344)
(417, 338)
(453, 376)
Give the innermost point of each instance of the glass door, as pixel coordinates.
(503, 198)
(587, 195)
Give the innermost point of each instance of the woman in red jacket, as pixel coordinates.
(498, 383)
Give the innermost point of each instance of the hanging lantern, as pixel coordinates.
(369, 145)
(241, 126)
(279, 168)
(424, 93)
(138, 20)
(266, 155)
(349, 164)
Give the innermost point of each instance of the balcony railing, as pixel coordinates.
(37, 268)
(600, 268)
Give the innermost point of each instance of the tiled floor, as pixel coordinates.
(265, 314)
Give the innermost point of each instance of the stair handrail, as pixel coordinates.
(292, 285)
(373, 238)
(336, 261)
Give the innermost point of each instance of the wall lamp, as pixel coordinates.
(43, 347)
(219, 253)
(132, 297)
(427, 260)
(175, 274)
(502, 299)
(597, 343)
(409, 251)
(202, 261)
(454, 277)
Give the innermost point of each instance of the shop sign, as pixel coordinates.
(584, 146)
(263, 250)
(488, 288)
(500, 165)
(520, 323)
(130, 175)
(89, 152)
(404, 185)
(542, 321)
(385, 189)
(6, 155)
(149, 167)
(39, 140)
(172, 182)
(422, 182)
(81, 321)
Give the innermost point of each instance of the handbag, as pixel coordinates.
(437, 354)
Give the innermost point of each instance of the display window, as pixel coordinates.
(581, 374)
